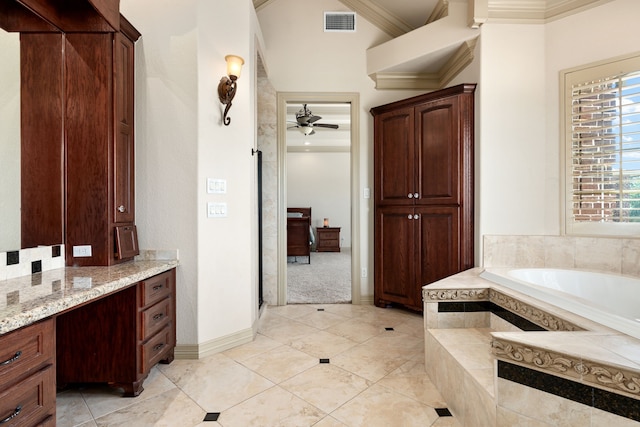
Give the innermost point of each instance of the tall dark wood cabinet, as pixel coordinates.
(423, 192)
(99, 146)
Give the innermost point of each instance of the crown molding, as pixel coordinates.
(537, 11)
(440, 11)
(457, 62)
(378, 16)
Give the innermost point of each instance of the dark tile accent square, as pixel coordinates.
(321, 309)
(450, 307)
(36, 279)
(324, 360)
(13, 297)
(211, 416)
(443, 412)
(36, 267)
(13, 257)
(55, 251)
(388, 329)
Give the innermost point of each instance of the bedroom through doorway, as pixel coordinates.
(317, 176)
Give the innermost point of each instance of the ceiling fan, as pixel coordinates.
(306, 121)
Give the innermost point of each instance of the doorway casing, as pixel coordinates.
(283, 98)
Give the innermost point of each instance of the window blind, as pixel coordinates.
(605, 149)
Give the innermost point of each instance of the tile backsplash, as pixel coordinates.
(31, 261)
(611, 255)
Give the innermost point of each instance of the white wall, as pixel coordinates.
(10, 142)
(180, 141)
(322, 181)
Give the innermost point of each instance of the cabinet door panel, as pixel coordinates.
(123, 193)
(437, 130)
(395, 256)
(439, 231)
(394, 157)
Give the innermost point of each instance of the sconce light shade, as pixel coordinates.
(234, 65)
(228, 85)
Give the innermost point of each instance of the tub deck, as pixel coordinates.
(465, 350)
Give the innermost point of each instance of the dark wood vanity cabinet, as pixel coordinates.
(423, 192)
(27, 376)
(119, 338)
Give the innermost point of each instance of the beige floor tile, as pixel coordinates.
(170, 409)
(323, 344)
(281, 363)
(412, 381)
(329, 421)
(216, 382)
(71, 409)
(287, 332)
(379, 406)
(292, 311)
(347, 310)
(356, 330)
(274, 407)
(102, 399)
(259, 345)
(321, 319)
(369, 361)
(326, 386)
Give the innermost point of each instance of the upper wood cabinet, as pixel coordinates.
(423, 168)
(78, 141)
(99, 142)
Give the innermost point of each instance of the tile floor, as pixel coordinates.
(375, 377)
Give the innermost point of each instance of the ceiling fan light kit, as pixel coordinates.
(306, 122)
(228, 85)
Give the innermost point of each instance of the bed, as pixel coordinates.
(299, 233)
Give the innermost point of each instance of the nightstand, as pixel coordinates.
(328, 239)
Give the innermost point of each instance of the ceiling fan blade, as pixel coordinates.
(313, 119)
(326, 125)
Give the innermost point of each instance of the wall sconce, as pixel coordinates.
(227, 85)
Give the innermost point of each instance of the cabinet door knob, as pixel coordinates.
(416, 216)
(410, 195)
(121, 208)
(416, 195)
(410, 216)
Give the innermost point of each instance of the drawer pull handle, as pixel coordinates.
(16, 412)
(157, 287)
(158, 316)
(13, 359)
(157, 347)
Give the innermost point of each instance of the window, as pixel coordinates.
(602, 148)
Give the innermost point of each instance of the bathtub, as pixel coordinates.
(608, 299)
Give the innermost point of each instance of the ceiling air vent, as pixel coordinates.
(344, 22)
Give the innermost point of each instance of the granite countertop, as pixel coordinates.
(27, 299)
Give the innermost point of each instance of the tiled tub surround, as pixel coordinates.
(27, 299)
(30, 261)
(578, 373)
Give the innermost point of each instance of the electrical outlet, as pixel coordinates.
(364, 272)
(82, 251)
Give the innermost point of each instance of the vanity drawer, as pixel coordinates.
(156, 348)
(29, 402)
(155, 288)
(155, 317)
(26, 350)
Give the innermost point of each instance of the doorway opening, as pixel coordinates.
(310, 185)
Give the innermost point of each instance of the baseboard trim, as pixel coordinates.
(216, 345)
(365, 300)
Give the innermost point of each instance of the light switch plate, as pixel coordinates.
(216, 186)
(216, 210)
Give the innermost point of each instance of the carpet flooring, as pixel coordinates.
(327, 280)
